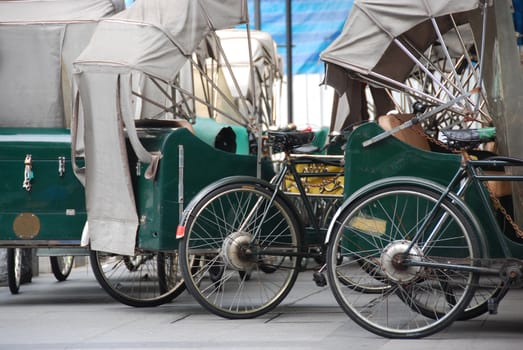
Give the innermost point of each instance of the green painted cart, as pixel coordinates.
(425, 238)
(66, 189)
(422, 238)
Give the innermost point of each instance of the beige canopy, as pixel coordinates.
(152, 38)
(367, 40)
(382, 41)
(38, 42)
(157, 36)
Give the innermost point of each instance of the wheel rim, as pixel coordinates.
(148, 279)
(18, 266)
(240, 273)
(413, 301)
(66, 264)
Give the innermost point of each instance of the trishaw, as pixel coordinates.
(42, 205)
(124, 154)
(161, 111)
(426, 233)
(429, 237)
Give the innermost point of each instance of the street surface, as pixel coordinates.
(77, 314)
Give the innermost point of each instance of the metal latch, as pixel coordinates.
(28, 172)
(138, 168)
(61, 166)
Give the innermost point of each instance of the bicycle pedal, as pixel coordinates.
(493, 306)
(319, 279)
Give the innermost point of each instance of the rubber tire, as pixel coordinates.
(61, 268)
(347, 234)
(230, 279)
(14, 269)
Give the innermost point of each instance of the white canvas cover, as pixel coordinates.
(38, 42)
(366, 44)
(265, 57)
(153, 38)
(228, 55)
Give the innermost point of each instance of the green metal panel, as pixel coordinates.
(158, 201)
(392, 157)
(56, 198)
(207, 129)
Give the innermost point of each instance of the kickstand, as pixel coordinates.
(319, 278)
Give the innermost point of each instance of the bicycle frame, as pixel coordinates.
(313, 233)
(456, 179)
(476, 176)
(288, 166)
(470, 175)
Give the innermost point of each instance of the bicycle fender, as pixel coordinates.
(247, 180)
(410, 180)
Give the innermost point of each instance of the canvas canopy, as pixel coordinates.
(367, 48)
(156, 37)
(152, 38)
(236, 79)
(367, 37)
(38, 11)
(267, 62)
(248, 68)
(38, 42)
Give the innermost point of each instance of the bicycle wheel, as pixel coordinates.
(488, 288)
(169, 274)
(374, 231)
(61, 266)
(246, 240)
(143, 280)
(377, 284)
(14, 269)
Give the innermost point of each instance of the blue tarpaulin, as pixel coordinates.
(518, 18)
(315, 24)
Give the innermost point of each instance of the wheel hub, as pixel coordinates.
(392, 261)
(237, 252)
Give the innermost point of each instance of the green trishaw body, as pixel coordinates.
(391, 157)
(159, 202)
(52, 211)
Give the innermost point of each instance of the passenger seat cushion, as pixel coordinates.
(413, 135)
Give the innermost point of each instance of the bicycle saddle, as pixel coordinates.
(291, 141)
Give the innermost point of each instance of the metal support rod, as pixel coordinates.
(257, 15)
(288, 44)
(452, 267)
(181, 165)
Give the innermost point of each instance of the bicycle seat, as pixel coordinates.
(469, 137)
(291, 141)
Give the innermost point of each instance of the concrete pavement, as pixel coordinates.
(77, 314)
